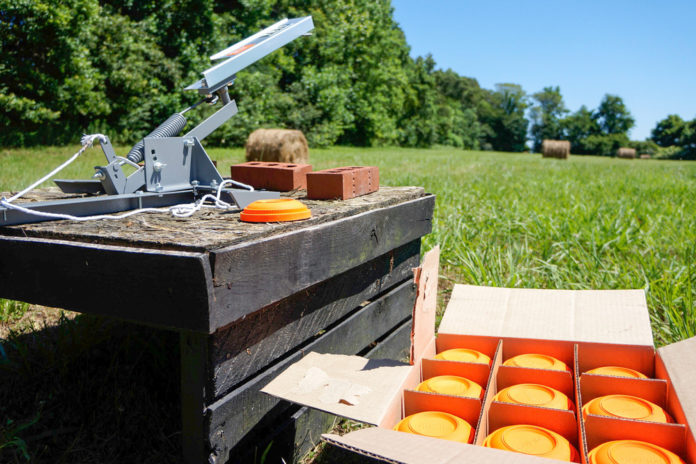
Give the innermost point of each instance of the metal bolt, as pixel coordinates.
(157, 166)
(99, 175)
(188, 142)
(158, 187)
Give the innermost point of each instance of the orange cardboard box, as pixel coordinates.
(583, 328)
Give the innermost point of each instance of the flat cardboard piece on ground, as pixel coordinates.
(407, 448)
(608, 316)
(423, 329)
(349, 386)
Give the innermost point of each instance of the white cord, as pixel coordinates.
(190, 209)
(182, 210)
(87, 142)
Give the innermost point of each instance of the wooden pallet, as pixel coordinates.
(247, 300)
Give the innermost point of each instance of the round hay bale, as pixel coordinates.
(281, 145)
(555, 149)
(645, 156)
(626, 153)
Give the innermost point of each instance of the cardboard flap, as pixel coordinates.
(679, 360)
(609, 316)
(349, 386)
(425, 307)
(406, 448)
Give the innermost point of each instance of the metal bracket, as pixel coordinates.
(214, 121)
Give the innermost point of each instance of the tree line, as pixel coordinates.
(604, 130)
(118, 67)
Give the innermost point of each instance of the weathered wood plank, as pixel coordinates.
(234, 417)
(246, 347)
(166, 289)
(396, 345)
(254, 275)
(193, 353)
(205, 230)
(296, 431)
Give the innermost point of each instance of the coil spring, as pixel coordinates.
(169, 128)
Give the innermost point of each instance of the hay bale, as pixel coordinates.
(555, 149)
(626, 153)
(645, 156)
(281, 145)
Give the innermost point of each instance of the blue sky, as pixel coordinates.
(643, 51)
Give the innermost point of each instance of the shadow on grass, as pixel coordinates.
(90, 390)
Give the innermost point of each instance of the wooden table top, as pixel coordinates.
(206, 230)
(207, 271)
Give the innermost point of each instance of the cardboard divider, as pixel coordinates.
(674, 407)
(468, 409)
(491, 389)
(425, 306)
(557, 420)
(600, 429)
(476, 372)
(639, 358)
(561, 350)
(486, 345)
(395, 411)
(593, 386)
(560, 380)
(582, 442)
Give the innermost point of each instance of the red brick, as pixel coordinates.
(281, 177)
(344, 183)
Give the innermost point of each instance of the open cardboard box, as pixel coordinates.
(583, 328)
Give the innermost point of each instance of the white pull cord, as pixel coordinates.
(182, 210)
(186, 210)
(87, 141)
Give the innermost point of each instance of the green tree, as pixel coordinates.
(458, 101)
(600, 132)
(613, 117)
(546, 116)
(101, 72)
(670, 131)
(419, 122)
(577, 127)
(502, 113)
(349, 83)
(688, 141)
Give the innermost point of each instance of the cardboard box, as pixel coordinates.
(583, 328)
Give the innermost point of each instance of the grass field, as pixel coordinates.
(504, 220)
